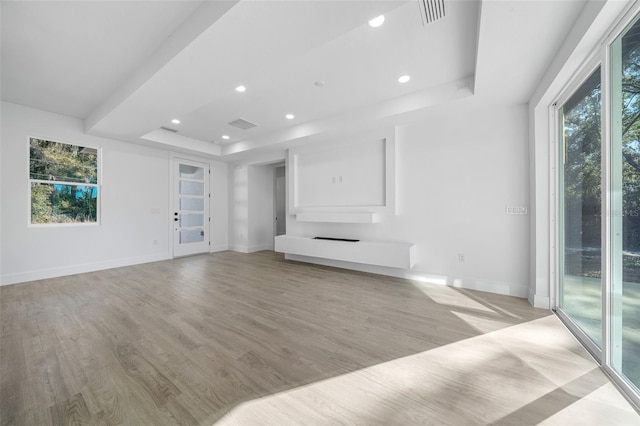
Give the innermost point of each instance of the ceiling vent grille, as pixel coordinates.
(241, 124)
(169, 130)
(431, 10)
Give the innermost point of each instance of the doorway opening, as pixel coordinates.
(280, 203)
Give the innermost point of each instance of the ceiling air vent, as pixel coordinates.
(431, 10)
(169, 130)
(241, 124)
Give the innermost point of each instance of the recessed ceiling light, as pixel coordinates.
(319, 83)
(403, 79)
(241, 89)
(225, 137)
(377, 21)
(175, 121)
(290, 116)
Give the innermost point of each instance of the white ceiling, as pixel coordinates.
(68, 56)
(128, 68)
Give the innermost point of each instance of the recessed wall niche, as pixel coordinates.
(348, 176)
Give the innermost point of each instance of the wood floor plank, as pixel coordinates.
(13, 371)
(72, 411)
(249, 339)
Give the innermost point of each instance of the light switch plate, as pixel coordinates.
(521, 210)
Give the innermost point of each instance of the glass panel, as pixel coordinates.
(191, 188)
(190, 220)
(62, 162)
(193, 204)
(625, 199)
(191, 236)
(55, 203)
(191, 172)
(581, 278)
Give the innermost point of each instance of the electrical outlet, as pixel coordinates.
(461, 257)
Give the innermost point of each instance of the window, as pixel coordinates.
(64, 183)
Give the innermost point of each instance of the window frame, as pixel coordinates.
(97, 185)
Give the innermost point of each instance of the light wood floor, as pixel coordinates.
(231, 338)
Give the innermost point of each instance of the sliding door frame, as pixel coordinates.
(579, 78)
(608, 181)
(601, 57)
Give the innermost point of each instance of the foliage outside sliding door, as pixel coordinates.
(625, 205)
(581, 208)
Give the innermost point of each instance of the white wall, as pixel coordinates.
(219, 186)
(135, 186)
(455, 176)
(350, 175)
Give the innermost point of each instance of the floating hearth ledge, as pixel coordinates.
(338, 217)
(379, 253)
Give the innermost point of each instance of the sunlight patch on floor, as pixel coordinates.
(603, 405)
(502, 375)
(449, 296)
(479, 323)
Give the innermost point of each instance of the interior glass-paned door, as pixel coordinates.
(580, 292)
(191, 208)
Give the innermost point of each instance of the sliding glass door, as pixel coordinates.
(580, 295)
(598, 230)
(625, 205)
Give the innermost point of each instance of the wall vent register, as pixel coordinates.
(431, 10)
(241, 123)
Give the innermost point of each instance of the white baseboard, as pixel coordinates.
(466, 283)
(215, 249)
(240, 249)
(251, 249)
(42, 274)
(260, 248)
(542, 302)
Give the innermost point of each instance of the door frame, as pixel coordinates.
(174, 160)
